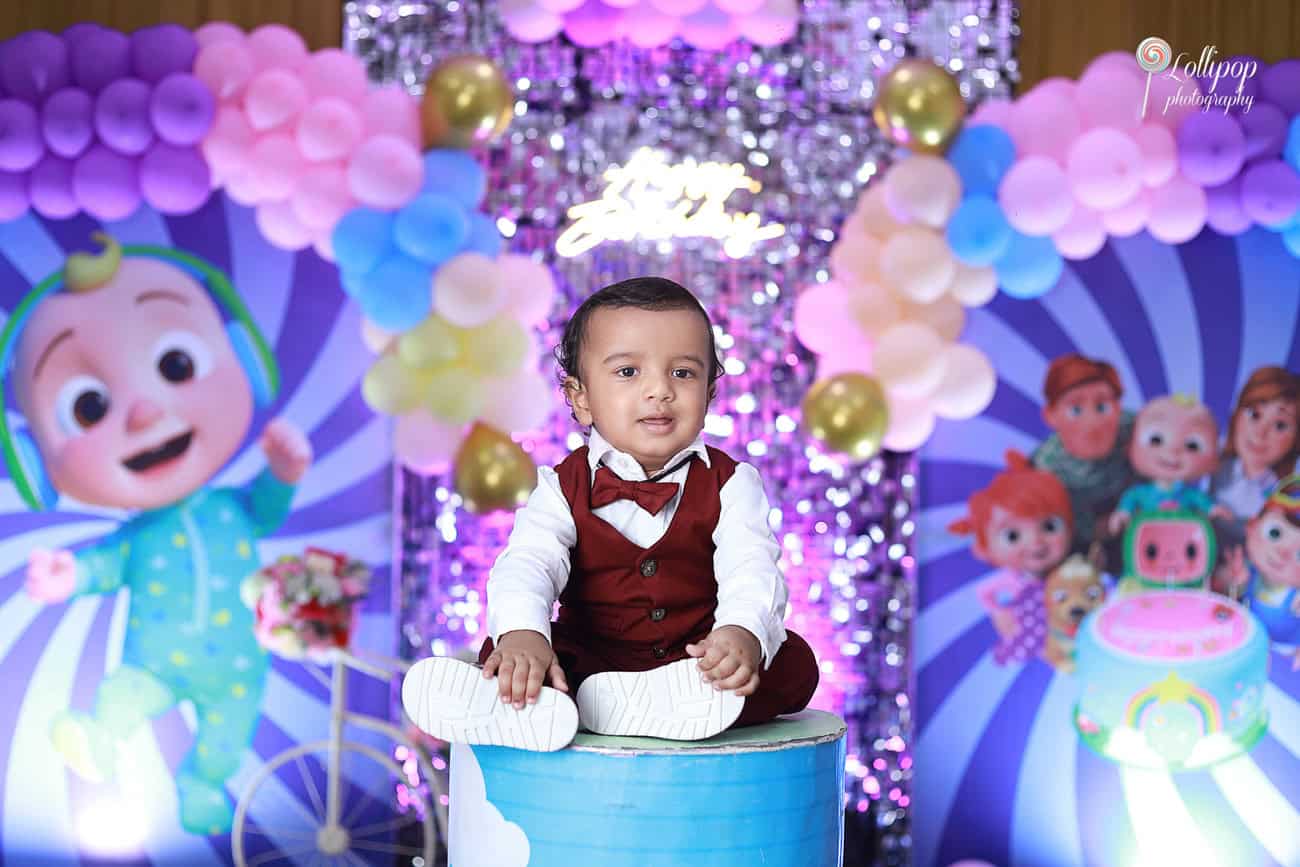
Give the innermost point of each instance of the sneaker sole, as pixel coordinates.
(670, 702)
(452, 701)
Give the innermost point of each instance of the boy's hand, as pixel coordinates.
(51, 575)
(522, 660)
(729, 658)
(288, 451)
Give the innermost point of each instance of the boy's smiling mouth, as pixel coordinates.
(168, 451)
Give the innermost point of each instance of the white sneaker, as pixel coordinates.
(668, 702)
(452, 701)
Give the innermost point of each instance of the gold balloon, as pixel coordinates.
(492, 471)
(466, 102)
(919, 106)
(848, 413)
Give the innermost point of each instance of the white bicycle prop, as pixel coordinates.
(341, 801)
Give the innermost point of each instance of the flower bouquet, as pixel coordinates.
(304, 606)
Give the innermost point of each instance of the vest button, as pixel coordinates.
(660, 653)
(648, 568)
(658, 614)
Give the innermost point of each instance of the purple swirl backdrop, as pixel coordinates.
(53, 657)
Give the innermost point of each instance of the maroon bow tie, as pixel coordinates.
(651, 496)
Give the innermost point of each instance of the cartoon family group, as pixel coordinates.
(1114, 502)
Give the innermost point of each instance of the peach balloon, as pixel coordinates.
(973, 287)
(968, 383)
(875, 308)
(917, 263)
(909, 359)
(911, 421)
(873, 210)
(1159, 153)
(946, 316)
(923, 189)
(822, 317)
(468, 290)
(855, 261)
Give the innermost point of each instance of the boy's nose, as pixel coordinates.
(142, 414)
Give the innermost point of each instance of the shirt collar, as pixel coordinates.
(626, 466)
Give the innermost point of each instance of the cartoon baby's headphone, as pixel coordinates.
(23, 458)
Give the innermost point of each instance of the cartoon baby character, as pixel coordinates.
(1073, 590)
(141, 418)
(1269, 569)
(1175, 440)
(1022, 524)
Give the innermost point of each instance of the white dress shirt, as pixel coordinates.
(533, 570)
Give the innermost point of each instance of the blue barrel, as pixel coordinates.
(767, 795)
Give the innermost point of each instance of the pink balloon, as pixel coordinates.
(423, 444)
(992, 112)
(50, 188)
(106, 183)
(322, 197)
(1105, 168)
(592, 24)
(823, 318)
(679, 8)
(776, 22)
(739, 7)
(276, 46)
(228, 143)
(332, 72)
(274, 167)
(1178, 211)
(225, 67)
(1171, 101)
(217, 31)
(649, 27)
(530, 22)
(1045, 122)
(274, 97)
(1082, 235)
(242, 188)
(911, 421)
(1129, 218)
(1125, 61)
(1035, 196)
(531, 287)
(281, 227)
(559, 6)
(709, 29)
(174, 180)
(385, 172)
(1110, 96)
(1159, 153)
(392, 111)
(329, 129)
(854, 358)
(323, 244)
(1224, 211)
(519, 402)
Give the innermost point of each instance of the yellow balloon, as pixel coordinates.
(467, 101)
(492, 471)
(455, 394)
(497, 347)
(919, 106)
(392, 388)
(433, 342)
(848, 413)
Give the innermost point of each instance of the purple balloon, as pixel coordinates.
(160, 51)
(122, 116)
(67, 121)
(1265, 127)
(182, 109)
(1280, 85)
(35, 64)
(75, 32)
(13, 195)
(1227, 84)
(1224, 213)
(99, 59)
(174, 180)
(50, 188)
(106, 184)
(1270, 192)
(1211, 148)
(21, 145)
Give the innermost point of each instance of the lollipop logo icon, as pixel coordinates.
(1153, 55)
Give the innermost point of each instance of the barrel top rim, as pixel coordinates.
(804, 729)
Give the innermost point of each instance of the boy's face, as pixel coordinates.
(1087, 418)
(1273, 545)
(645, 380)
(1173, 443)
(132, 390)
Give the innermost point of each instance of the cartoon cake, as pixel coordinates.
(1171, 679)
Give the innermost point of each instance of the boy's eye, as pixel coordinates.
(625, 371)
(683, 373)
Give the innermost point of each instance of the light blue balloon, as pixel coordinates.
(455, 174)
(978, 231)
(484, 236)
(353, 282)
(431, 228)
(398, 293)
(1030, 267)
(1291, 150)
(1291, 238)
(981, 155)
(361, 239)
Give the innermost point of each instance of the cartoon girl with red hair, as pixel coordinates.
(1022, 524)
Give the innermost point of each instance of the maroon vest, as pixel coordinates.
(643, 605)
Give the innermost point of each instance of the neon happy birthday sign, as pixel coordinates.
(652, 199)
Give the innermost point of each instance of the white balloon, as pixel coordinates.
(468, 290)
(924, 188)
(424, 444)
(973, 287)
(968, 383)
(520, 402)
(918, 264)
(911, 421)
(531, 287)
(909, 359)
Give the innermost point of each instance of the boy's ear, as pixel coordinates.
(577, 396)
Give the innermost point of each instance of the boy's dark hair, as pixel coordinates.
(647, 293)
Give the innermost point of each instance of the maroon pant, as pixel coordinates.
(784, 687)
